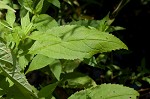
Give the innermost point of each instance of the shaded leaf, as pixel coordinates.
(27, 4)
(76, 80)
(46, 92)
(43, 22)
(69, 65)
(55, 3)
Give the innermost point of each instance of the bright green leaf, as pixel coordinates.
(10, 17)
(23, 62)
(39, 61)
(74, 42)
(106, 91)
(25, 21)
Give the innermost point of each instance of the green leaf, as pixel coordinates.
(10, 17)
(4, 6)
(5, 53)
(10, 68)
(55, 3)
(23, 62)
(43, 22)
(69, 65)
(76, 80)
(106, 91)
(25, 20)
(27, 4)
(14, 93)
(73, 42)
(91, 61)
(56, 68)
(25, 23)
(4, 85)
(38, 7)
(39, 61)
(5, 24)
(46, 92)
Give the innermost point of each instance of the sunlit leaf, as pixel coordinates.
(106, 91)
(74, 42)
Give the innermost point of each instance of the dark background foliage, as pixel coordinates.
(135, 18)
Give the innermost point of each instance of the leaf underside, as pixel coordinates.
(11, 69)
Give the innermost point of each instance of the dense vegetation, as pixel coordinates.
(74, 49)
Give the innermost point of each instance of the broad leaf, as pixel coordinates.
(4, 85)
(14, 93)
(73, 42)
(106, 91)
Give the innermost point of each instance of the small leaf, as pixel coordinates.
(55, 3)
(39, 6)
(106, 91)
(39, 61)
(25, 21)
(46, 92)
(76, 80)
(23, 62)
(56, 68)
(69, 65)
(73, 42)
(10, 17)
